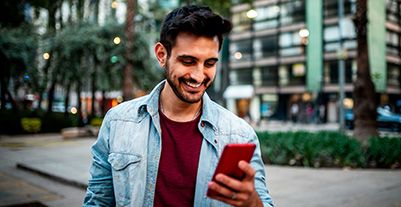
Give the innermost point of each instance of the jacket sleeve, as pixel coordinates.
(260, 176)
(100, 186)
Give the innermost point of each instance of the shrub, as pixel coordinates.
(31, 125)
(24, 121)
(96, 121)
(384, 152)
(328, 149)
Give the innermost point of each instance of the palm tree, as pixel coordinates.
(364, 91)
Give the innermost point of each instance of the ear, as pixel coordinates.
(161, 54)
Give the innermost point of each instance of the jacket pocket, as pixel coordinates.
(125, 172)
(120, 161)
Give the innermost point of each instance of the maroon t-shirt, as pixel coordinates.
(176, 178)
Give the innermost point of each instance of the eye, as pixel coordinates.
(210, 63)
(188, 61)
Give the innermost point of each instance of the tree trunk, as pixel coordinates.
(80, 10)
(81, 115)
(50, 96)
(67, 99)
(128, 85)
(3, 80)
(96, 10)
(93, 83)
(3, 93)
(364, 90)
(51, 18)
(103, 108)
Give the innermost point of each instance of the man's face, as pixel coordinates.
(191, 67)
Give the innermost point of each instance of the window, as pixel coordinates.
(240, 50)
(241, 76)
(290, 44)
(241, 22)
(267, 17)
(331, 71)
(269, 76)
(393, 43)
(332, 36)
(292, 74)
(331, 8)
(268, 104)
(292, 12)
(393, 75)
(391, 10)
(265, 47)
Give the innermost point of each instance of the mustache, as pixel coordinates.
(191, 80)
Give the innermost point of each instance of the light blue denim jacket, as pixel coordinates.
(127, 152)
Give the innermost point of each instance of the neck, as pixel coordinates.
(176, 109)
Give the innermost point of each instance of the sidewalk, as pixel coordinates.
(275, 126)
(68, 162)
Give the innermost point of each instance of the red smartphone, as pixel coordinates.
(228, 163)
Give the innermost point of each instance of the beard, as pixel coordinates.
(183, 95)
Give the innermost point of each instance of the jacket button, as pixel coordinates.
(215, 141)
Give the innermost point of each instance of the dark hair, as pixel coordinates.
(198, 20)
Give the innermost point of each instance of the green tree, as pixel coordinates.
(17, 55)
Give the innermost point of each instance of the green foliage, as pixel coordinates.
(328, 149)
(24, 121)
(55, 121)
(384, 152)
(10, 122)
(18, 46)
(11, 14)
(31, 125)
(96, 121)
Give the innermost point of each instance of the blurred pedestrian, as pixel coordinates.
(309, 113)
(322, 113)
(162, 149)
(294, 112)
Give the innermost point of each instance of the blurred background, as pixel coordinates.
(285, 60)
(69, 61)
(319, 80)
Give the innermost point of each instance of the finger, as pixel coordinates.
(248, 170)
(221, 190)
(230, 182)
(229, 201)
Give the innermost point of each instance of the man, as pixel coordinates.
(162, 149)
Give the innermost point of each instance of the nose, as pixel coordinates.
(197, 73)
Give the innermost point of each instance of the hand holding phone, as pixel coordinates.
(228, 163)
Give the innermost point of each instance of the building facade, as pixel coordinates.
(287, 55)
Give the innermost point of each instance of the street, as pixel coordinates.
(53, 172)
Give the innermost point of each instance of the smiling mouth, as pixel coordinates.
(193, 85)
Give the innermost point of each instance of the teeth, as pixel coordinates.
(194, 85)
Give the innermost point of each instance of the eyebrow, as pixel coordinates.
(194, 58)
(187, 57)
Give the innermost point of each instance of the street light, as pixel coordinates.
(117, 40)
(46, 55)
(304, 34)
(114, 4)
(237, 55)
(251, 14)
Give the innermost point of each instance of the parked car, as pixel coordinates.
(386, 119)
